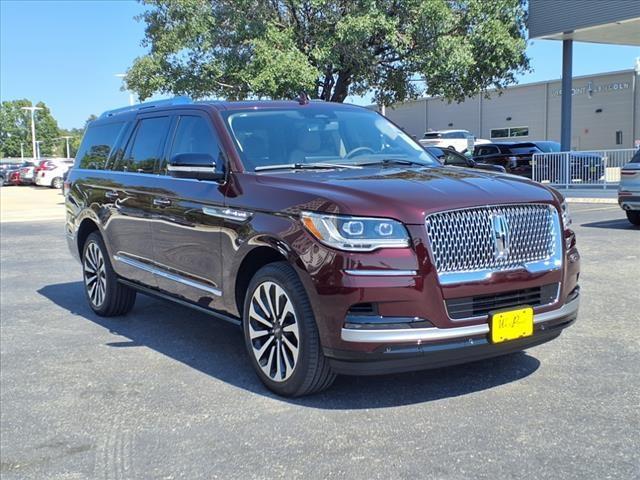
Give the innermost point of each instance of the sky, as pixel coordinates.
(67, 53)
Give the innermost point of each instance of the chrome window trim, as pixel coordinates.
(381, 273)
(409, 335)
(169, 276)
(545, 265)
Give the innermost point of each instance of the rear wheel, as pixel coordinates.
(281, 335)
(106, 296)
(633, 216)
(56, 183)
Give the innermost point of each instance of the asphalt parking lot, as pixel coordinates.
(167, 393)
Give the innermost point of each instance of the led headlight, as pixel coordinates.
(566, 217)
(357, 234)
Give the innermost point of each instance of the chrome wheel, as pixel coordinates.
(95, 274)
(273, 331)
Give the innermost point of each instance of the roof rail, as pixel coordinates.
(181, 100)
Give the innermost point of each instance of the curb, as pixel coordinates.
(611, 201)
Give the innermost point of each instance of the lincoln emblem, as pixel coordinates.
(501, 240)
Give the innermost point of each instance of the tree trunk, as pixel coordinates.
(341, 90)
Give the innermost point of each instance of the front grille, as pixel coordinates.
(481, 305)
(464, 240)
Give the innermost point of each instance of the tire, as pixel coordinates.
(57, 183)
(106, 296)
(288, 358)
(633, 216)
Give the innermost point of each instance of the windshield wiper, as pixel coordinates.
(304, 166)
(391, 161)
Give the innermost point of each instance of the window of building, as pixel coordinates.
(97, 144)
(499, 133)
(619, 137)
(148, 143)
(510, 132)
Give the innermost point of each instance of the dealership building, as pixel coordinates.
(606, 112)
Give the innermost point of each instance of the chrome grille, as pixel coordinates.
(463, 241)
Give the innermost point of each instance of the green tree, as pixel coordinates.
(15, 129)
(330, 48)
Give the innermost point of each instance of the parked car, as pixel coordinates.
(515, 157)
(5, 171)
(13, 177)
(27, 173)
(457, 140)
(454, 159)
(587, 167)
(50, 173)
(328, 234)
(629, 189)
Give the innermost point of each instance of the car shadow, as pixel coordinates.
(216, 348)
(617, 224)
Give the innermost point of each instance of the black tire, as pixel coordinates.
(311, 372)
(633, 216)
(116, 298)
(57, 183)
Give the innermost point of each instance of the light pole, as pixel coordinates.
(38, 142)
(33, 128)
(67, 137)
(132, 100)
(22, 150)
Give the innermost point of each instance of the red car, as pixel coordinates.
(336, 242)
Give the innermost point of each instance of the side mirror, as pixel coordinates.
(198, 166)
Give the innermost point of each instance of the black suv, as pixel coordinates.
(332, 237)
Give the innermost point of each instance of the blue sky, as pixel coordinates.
(66, 53)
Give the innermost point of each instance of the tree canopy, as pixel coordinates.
(15, 130)
(397, 49)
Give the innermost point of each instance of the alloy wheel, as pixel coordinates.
(95, 274)
(273, 331)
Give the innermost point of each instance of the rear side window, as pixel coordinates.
(193, 135)
(147, 146)
(97, 144)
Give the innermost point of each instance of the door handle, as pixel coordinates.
(112, 195)
(161, 202)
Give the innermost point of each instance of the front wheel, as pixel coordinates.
(633, 216)
(281, 335)
(106, 296)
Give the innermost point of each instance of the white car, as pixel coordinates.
(458, 140)
(50, 173)
(629, 190)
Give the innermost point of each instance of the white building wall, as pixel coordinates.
(537, 106)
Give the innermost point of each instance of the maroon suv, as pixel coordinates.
(336, 242)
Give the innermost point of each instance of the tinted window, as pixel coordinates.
(194, 135)
(486, 150)
(432, 135)
(148, 142)
(521, 150)
(97, 144)
(455, 159)
(436, 152)
(548, 146)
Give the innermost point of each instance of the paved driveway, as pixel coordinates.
(167, 392)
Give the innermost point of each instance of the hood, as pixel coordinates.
(405, 194)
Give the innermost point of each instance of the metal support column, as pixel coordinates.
(565, 116)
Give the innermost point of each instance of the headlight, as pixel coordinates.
(356, 234)
(566, 217)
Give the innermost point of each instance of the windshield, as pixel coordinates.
(318, 135)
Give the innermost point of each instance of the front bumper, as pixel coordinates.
(423, 348)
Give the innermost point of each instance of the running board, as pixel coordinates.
(165, 296)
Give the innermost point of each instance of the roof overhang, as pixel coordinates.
(626, 32)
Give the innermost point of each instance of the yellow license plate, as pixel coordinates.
(511, 324)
